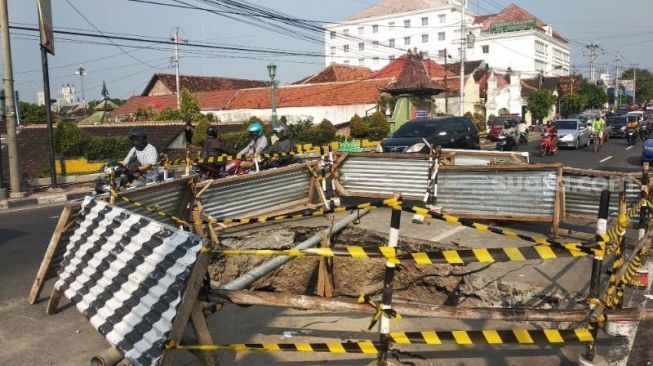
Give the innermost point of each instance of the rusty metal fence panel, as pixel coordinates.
(485, 157)
(257, 193)
(171, 197)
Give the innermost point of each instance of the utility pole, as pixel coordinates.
(616, 83)
(635, 82)
(463, 4)
(592, 47)
(8, 81)
(446, 83)
(81, 72)
(176, 39)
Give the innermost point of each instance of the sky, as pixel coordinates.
(127, 66)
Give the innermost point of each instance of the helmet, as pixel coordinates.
(255, 128)
(281, 130)
(137, 133)
(212, 131)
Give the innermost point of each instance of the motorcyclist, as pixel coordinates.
(522, 130)
(256, 145)
(598, 127)
(213, 146)
(632, 123)
(551, 128)
(284, 143)
(141, 159)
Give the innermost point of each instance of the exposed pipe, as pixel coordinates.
(269, 266)
(108, 357)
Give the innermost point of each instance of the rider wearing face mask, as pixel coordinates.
(141, 159)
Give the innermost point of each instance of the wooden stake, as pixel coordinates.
(324, 274)
(203, 334)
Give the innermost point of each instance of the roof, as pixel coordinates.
(392, 7)
(394, 69)
(105, 105)
(528, 86)
(415, 77)
(512, 13)
(470, 67)
(338, 72)
(196, 84)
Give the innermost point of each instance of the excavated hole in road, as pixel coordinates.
(434, 284)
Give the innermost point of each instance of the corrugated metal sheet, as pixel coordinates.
(126, 274)
(254, 194)
(497, 192)
(382, 176)
(167, 196)
(484, 157)
(583, 192)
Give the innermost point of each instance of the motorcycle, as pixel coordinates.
(548, 145)
(506, 143)
(116, 176)
(631, 136)
(643, 132)
(594, 141)
(523, 138)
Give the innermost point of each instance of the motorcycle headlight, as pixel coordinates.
(416, 148)
(623, 128)
(379, 148)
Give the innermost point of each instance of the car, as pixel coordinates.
(621, 111)
(572, 133)
(448, 132)
(647, 151)
(638, 115)
(617, 126)
(499, 123)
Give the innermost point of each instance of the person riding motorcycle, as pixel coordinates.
(598, 127)
(141, 159)
(213, 146)
(257, 144)
(632, 123)
(551, 128)
(282, 145)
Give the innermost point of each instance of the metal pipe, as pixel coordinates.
(269, 266)
(108, 357)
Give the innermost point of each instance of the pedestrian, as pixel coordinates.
(188, 130)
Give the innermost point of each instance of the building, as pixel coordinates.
(512, 38)
(166, 84)
(40, 98)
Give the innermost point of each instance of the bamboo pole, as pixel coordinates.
(314, 303)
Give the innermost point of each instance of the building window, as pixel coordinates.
(333, 49)
(406, 41)
(345, 48)
(442, 54)
(391, 57)
(540, 48)
(425, 21)
(391, 42)
(407, 23)
(486, 49)
(375, 28)
(425, 38)
(361, 46)
(361, 30)
(425, 53)
(391, 25)
(361, 61)
(442, 18)
(375, 61)
(540, 65)
(375, 44)
(442, 36)
(332, 34)
(346, 62)
(345, 32)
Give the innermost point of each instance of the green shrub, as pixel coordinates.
(199, 136)
(300, 133)
(323, 133)
(169, 114)
(378, 127)
(107, 148)
(236, 140)
(357, 127)
(147, 114)
(189, 106)
(69, 140)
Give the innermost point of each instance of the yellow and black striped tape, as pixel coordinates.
(461, 337)
(224, 158)
(152, 209)
(614, 294)
(580, 247)
(454, 257)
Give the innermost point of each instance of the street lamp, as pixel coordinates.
(272, 71)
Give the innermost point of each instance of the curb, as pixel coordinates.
(40, 201)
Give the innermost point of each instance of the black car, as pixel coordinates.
(617, 126)
(448, 132)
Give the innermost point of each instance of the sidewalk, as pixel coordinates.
(46, 198)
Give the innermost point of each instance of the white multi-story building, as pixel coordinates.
(512, 38)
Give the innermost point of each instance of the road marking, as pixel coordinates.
(606, 159)
(448, 233)
(630, 147)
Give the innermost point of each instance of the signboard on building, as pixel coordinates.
(517, 25)
(45, 25)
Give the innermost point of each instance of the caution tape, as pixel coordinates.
(225, 158)
(614, 294)
(460, 337)
(420, 211)
(454, 257)
(151, 209)
(388, 313)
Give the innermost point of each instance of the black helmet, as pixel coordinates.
(137, 132)
(212, 131)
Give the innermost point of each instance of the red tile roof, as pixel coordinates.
(196, 84)
(338, 72)
(393, 69)
(133, 104)
(510, 14)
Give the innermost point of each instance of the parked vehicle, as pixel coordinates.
(500, 123)
(572, 133)
(548, 145)
(647, 151)
(506, 142)
(447, 132)
(617, 126)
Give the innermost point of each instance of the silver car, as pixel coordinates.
(572, 133)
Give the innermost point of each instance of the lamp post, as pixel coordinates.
(272, 71)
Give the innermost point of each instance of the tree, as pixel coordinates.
(200, 132)
(572, 104)
(378, 127)
(31, 113)
(540, 103)
(644, 83)
(69, 140)
(189, 105)
(324, 133)
(595, 95)
(357, 127)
